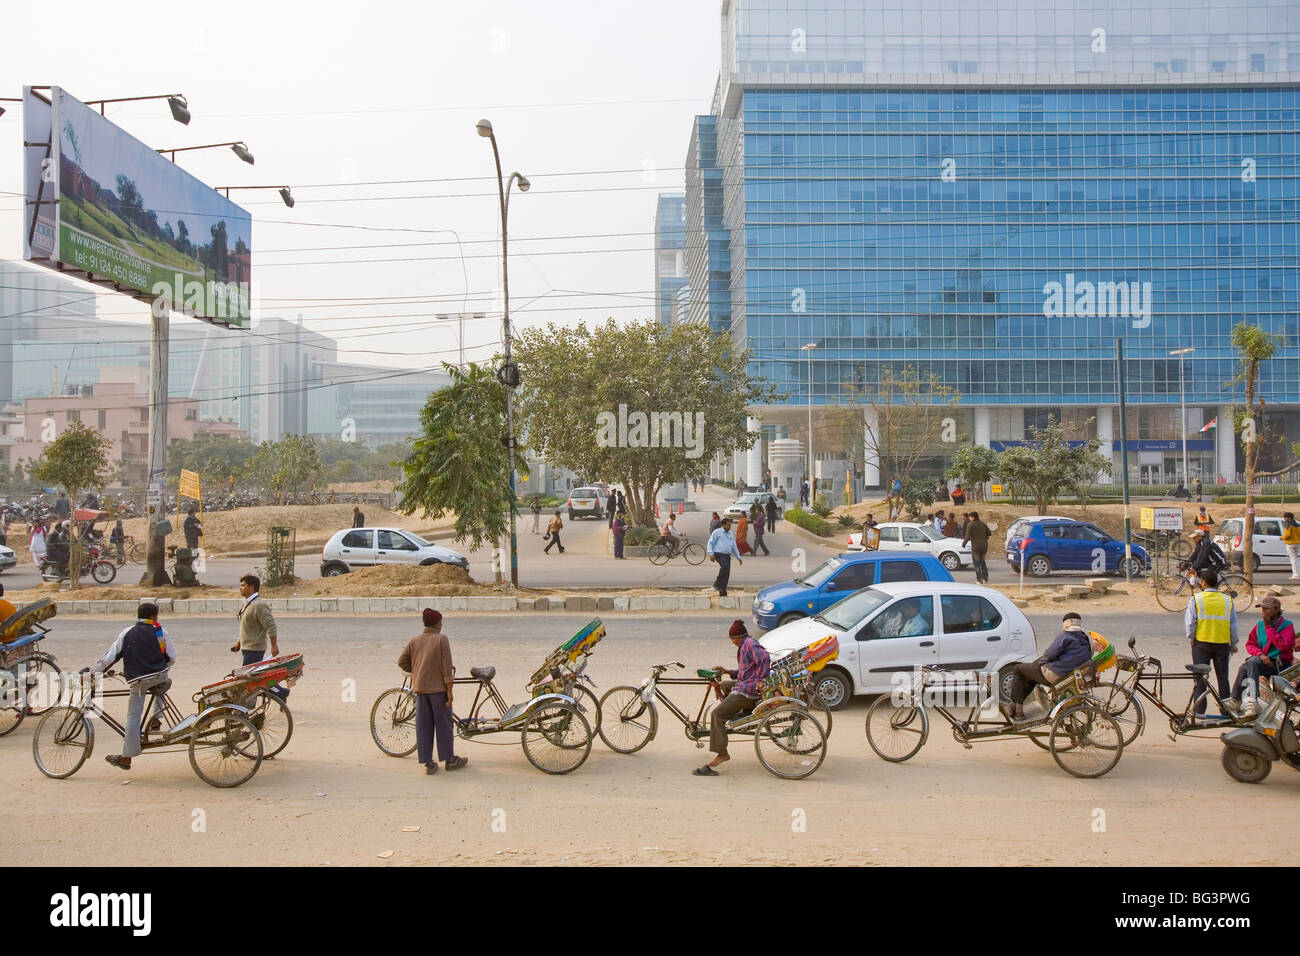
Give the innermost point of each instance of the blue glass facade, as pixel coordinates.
(670, 246)
(994, 191)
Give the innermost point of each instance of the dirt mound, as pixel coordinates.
(393, 580)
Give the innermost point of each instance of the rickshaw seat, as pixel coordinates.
(483, 673)
(1201, 669)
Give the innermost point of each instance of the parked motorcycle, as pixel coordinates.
(100, 568)
(1250, 752)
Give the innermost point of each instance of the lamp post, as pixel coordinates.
(176, 102)
(285, 195)
(238, 147)
(1182, 404)
(508, 374)
(812, 480)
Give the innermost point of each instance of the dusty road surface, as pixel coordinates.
(332, 798)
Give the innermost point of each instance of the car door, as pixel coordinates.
(852, 577)
(357, 549)
(971, 637)
(886, 646)
(1268, 542)
(914, 540)
(1093, 549)
(392, 547)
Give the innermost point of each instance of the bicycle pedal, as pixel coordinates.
(699, 745)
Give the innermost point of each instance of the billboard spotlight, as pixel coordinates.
(180, 109)
(288, 199)
(241, 150)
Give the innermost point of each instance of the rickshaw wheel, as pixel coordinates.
(225, 749)
(627, 723)
(41, 681)
(392, 722)
(590, 705)
(10, 716)
(790, 743)
(271, 717)
(1086, 741)
(556, 739)
(63, 740)
(896, 733)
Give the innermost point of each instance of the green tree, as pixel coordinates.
(285, 467)
(974, 466)
(460, 463)
(640, 405)
(1048, 465)
(918, 493)
(75, 461)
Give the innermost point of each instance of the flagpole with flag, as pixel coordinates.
(1213, 423)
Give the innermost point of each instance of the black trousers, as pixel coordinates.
(724, 573)
(1024, 678)
(1216, 654)
(554, 542)
(981, 569)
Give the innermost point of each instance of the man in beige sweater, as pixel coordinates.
(257, 628)
(427, 658)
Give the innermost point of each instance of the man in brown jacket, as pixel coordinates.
(977, 535)
(427, 658)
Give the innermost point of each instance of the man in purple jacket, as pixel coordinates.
(754, 666)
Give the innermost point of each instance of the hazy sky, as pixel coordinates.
(368, 112)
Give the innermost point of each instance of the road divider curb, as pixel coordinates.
(574, 603)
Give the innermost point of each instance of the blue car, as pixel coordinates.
(838, 577)
(1068, 544)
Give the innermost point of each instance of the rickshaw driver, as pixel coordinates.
(1070, 650)
(147, 654)
(754, 667)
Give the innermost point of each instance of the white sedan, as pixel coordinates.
(913, 536)
(892, 629)
(367, 547)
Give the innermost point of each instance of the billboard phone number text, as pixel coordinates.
(106, 267)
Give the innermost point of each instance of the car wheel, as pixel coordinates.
(335, 570)
(835, 688)
(950, 561)
(1255, 561)
(1135, 568)
(571, 516)
(1040, 566)
(791, 616)
(1006, 681)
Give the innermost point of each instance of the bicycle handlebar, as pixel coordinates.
(663, 667)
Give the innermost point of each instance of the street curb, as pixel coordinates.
(583, 603)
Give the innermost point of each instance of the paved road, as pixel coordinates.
(333, 798)
(586, 562)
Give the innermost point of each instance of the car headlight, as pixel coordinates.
(764, 606)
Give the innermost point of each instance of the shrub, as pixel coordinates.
(821, 507)
(810, 522)
(847, 521)
(638, 536)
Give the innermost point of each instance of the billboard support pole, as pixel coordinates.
(155, 565)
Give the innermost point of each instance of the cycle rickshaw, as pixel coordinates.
(29, 678)
(252, 687)
(1083, 738)
(554, 734)
(225, 747)
(789, 740)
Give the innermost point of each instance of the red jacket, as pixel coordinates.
(1280, 635)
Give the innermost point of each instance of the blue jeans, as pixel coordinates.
(255, 657)
(141, 691)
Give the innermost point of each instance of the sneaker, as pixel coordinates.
(455, 763)
(1232, 706)
(431, 768)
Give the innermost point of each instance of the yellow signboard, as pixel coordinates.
(1148, 519)
(997, 489)
(189, 485)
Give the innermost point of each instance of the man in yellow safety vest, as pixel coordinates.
(1211, 624)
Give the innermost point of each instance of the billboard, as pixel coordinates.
(102, 203)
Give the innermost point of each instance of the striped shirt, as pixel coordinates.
(754, 665)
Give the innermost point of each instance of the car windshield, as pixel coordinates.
(818, 575)
(417, 539)
(853, 609)
(930, 533)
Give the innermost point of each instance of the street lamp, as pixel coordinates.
(508, 374)
(239, 148)
(1182, 402)
(812, 480)
(176, 102)
(285, 196)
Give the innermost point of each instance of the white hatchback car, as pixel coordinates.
(894, 628)
(366, 547)
(1267, 546)
(912, 536)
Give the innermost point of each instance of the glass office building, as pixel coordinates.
(670, 253)
(992, 192)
